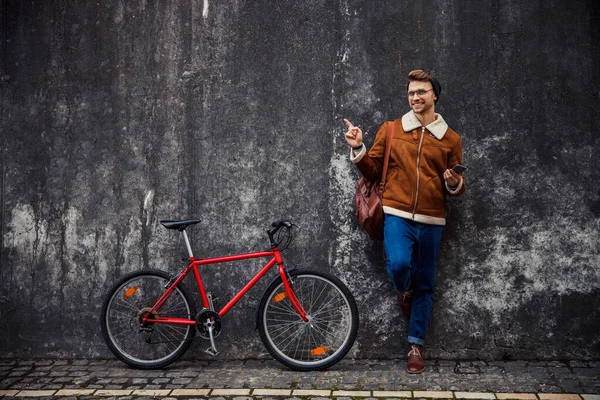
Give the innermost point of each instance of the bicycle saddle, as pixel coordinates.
(180, 225)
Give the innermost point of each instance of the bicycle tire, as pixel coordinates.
(328, 335)
(162, 343)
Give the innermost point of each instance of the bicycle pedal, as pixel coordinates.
(211, 352)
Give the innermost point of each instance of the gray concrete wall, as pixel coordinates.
(115, 114)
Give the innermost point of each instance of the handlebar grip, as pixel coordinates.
(280, 222)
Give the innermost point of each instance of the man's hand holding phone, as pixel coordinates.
(454, 175)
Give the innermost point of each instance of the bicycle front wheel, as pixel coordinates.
(328, 334)
(146, 345)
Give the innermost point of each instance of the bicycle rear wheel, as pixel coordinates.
(328, 334)
(146, 346)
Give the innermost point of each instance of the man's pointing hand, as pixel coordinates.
(353, 135)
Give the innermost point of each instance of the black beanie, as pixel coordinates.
(437, 88)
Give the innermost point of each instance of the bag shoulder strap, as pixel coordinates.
(386, 159)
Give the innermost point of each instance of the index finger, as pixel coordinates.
(348, 123)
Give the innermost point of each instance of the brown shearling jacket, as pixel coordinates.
(415, 188)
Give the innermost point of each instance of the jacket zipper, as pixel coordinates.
(418, 174)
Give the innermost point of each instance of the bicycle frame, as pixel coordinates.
(276, 258)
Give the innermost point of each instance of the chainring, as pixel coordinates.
(206, 318)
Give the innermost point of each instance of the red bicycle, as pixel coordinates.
(307, 319)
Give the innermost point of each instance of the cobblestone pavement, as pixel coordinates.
(268, 380)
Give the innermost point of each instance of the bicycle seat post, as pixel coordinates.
(187, 243)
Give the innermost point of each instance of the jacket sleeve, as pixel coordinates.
(370, 163)
(456, 158)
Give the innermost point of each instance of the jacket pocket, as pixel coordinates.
(398, 188)
(431, 197)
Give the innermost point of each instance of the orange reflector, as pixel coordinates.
(130, 292)
(319, 351)
(279, 297)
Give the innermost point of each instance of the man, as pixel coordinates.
(424, 151)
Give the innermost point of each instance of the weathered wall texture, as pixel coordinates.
(115, 114)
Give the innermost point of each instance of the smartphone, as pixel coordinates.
(459, 169)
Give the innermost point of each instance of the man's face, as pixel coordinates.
(421, 103)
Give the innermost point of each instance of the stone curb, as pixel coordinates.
(296, 393)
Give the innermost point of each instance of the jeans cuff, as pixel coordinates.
(414, 340)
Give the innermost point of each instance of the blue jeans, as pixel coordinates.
(411, 250)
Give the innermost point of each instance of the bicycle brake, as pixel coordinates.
(288, 271)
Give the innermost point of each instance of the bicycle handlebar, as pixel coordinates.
(276, 226)
(279, 223)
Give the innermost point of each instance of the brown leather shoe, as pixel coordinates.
(415, 364)
(405, 302)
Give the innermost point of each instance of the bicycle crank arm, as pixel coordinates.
(212, 350)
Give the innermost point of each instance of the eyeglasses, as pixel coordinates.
(419, 93)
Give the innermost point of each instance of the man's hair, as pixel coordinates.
(424, 76)
(419, 75)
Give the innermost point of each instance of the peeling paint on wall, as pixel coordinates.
(205, 9)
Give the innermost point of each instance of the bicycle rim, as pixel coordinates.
(325, 338)
(155, 345)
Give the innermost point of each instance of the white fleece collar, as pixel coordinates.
(437, 127)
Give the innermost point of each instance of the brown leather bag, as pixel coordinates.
(367, 199)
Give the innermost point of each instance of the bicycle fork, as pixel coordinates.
(287, 284)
